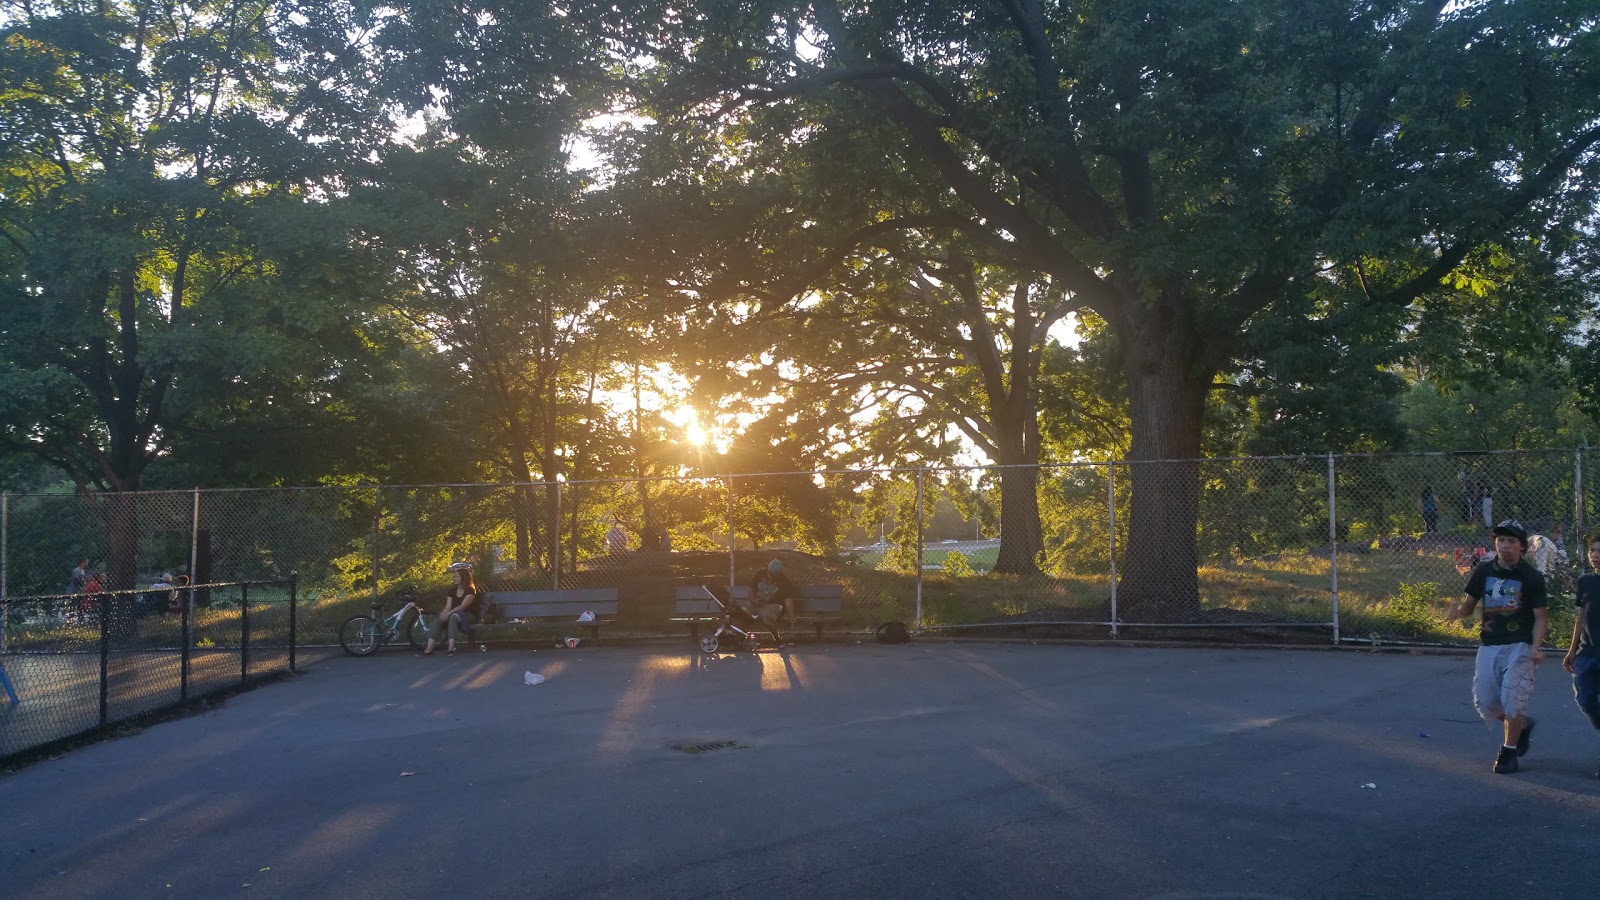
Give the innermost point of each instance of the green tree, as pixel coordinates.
(158, 163)
(1189, 172)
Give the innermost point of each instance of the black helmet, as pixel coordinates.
(1513, 528)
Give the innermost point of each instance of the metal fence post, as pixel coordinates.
(186, 607)
(921, 472)
(104, 605)
(554, 492)
(244, 633)
(183, 652)
(1111, 522)
(1333, 548)
(1577, 497)
(732, 578)
(5, 566)
(377, 520)
(293, 583)
(194, 553)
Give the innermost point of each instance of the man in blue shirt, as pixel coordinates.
(1583, 657)
(1513, 629)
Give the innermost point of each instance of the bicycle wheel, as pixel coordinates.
(361, 635)
(417, 633)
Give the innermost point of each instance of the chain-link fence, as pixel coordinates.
(1369, 548)
(76, 662)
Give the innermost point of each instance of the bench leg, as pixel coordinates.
(819, 632)
(594, 633)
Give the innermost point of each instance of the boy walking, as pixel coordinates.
(1513, 628)
(1583, 657)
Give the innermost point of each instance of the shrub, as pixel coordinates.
(956, 565)
(1411, 609)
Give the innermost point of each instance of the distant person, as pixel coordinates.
(1548, 554)
(1430, 510)
(75, 582)
(169, 590)
(1512, 631)
(92, 586)
(461, 598)
(1487, 506)
(1583, 656)
(771, 595)
(616, 538)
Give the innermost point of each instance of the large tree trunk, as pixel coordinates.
(1015, 419)
(523, 501)
(122, 539)
(1021, 537)
(649, 537)
(1166, 398)
(522, 515)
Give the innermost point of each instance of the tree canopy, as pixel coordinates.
(276, 242)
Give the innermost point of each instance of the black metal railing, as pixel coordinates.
(75, 664)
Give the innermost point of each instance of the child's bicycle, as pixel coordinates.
(363, 635)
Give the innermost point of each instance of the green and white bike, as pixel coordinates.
(363, 635)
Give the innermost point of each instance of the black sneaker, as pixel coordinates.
(1522, 740)
(1506, 762)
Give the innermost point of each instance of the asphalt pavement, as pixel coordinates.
(833, 770)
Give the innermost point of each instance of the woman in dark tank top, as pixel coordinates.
(462, 598)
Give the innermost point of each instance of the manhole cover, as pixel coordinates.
(709, 747)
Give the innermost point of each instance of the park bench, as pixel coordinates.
(814, 603)
(694, 605)
(508, 615)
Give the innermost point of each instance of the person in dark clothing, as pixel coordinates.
(772, 594)
(1511, 632)
(462, 597)
(1583, 656)
(1430, 510)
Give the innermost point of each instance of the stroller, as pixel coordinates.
(737, 629)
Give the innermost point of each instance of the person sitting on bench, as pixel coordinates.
(771, 594)
(453, 620)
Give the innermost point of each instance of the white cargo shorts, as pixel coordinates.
(1502, 684)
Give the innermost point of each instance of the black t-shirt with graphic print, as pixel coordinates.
(1588, 623)
(1509, 597)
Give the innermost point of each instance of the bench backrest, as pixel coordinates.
(808, 598)
(567, 604)
(694, 601)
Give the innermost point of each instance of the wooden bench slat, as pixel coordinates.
(573, 595)
(535, 609)
(811, 591)
(691, 607)
(814, 603)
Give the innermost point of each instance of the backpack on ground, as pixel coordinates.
(894, 633)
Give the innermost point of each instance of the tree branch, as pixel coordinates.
(1518, 202)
